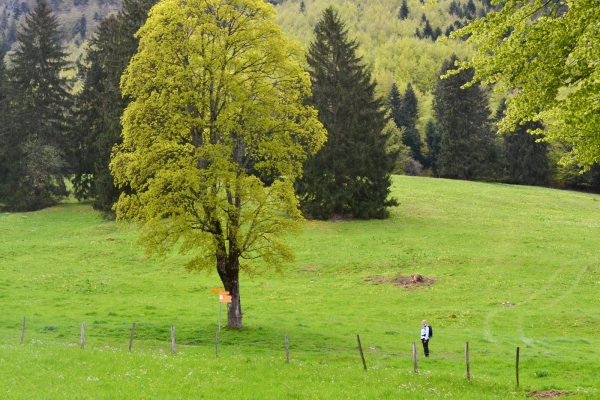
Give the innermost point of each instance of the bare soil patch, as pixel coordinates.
(414, 280)
(547, 394)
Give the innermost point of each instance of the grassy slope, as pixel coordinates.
(486, 244)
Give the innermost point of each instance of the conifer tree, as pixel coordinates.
(405, 114)
(410, 106)
(468, 147)
(433, 138)
(395, 105)
(350, 176)
(471, 9)
(427, 30)
(526, 158)
(100, 104)
(40, 103)
(4, 125)
(403, 13)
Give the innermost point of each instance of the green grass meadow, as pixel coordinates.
(485, 244)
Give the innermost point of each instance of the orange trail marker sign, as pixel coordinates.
(223, 298)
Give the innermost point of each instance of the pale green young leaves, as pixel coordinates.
(219, 95)
(547, 54)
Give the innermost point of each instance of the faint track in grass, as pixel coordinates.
(487, 331)
(560, 298)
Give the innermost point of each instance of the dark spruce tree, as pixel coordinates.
(4, 127)
(427, 30)
(394, 102)
(433, 139)
(100, 105)
(40, 109)
(405, 113)
(350, 175)
(403, 12)
(468, 147)
(525, 157)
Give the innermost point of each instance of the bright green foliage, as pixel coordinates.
(350, 176)
(546, 53)
(468, 149)
(40, 105)
(218, 105)
(526, 155)
(100, 104)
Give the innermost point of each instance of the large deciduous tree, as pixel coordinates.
(546, 53)
(215, 135)
(40, 105)
(350, 177)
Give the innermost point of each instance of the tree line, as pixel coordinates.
(51, 134)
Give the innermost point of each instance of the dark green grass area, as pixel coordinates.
(485, 244)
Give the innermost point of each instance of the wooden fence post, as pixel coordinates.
(467, 360)
(361, 352)
(415, 364)
(517, 367)
(216, 344)
(173, 347)
(131, 337)
(23, 331)
(287, 350)
(82, 341)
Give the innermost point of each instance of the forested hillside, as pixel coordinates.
(398, 38)
(436, 128)
(399, 43)
(78, 19)
(388, 37)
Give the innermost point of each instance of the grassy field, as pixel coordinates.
(485, 244)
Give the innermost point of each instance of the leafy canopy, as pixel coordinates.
(546, 52)
(218, 110)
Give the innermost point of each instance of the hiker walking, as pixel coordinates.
(426, 334)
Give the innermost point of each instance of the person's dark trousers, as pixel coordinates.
(425, 347)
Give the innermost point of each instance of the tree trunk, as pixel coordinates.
(229, 268)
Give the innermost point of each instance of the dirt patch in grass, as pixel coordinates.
(547, 394)
(414, 280)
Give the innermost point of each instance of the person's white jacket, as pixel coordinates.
(425, 332)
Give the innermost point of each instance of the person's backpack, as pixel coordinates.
(430, 332)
